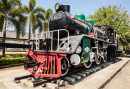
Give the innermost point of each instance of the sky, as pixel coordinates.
(86, 7)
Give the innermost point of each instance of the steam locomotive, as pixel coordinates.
(70, 41)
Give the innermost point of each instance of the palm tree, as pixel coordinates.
(47, 16)
(9, 13)
(1, 22)
(35, 16)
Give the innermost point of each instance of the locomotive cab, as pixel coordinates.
(111, 33)
(113, 39)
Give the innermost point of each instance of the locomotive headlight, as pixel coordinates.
(79, 49)
(57, 6)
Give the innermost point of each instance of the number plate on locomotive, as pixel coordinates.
(55, 17)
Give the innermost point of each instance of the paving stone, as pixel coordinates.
(3, 86)
(64, 83)
(51, 86)
(11, 85)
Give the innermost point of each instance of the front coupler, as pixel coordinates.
(30, 64)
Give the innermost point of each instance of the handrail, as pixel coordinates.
(49, 34)
(58, 37)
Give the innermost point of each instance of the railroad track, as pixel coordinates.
(74, 76)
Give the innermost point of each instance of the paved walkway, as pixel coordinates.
(99, 78)
(121, 80)
(7, 76)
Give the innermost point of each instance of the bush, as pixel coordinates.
(7, 61)
(12, 59)
(0, 56)
(15, 55)
(123, 53)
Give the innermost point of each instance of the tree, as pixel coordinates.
(43, 21)
(35, 16)
(47, 16)
(115, 17)
(9, 13)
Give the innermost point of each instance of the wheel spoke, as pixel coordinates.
(88, 64)
(98, 60)
(64, 66)
(105, 56)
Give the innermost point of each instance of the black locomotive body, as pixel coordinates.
(71, 41)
